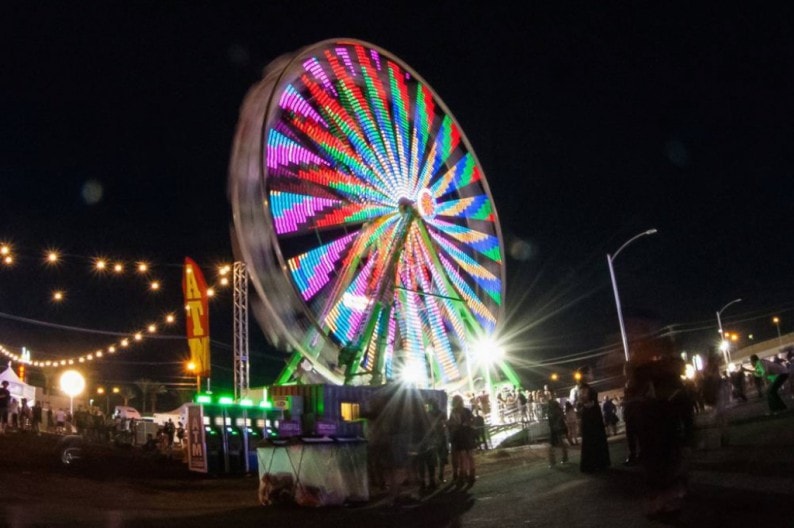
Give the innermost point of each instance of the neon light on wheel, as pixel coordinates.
(364, 217)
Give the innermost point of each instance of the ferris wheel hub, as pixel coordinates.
(426, 203)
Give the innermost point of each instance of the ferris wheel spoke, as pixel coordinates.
(472, 208)
(436, 333)
(346, 128)
(411, 328)
(357, 286)
(463, 173)
(343, 185)
(424, 110)
(473, 302)
(350, 309)
(377, 95)
(446, 141)
(313, 269)
(400, 110)
(479, 273)
(296, 214)
(368, 107)
(484, 243)
(337, 152)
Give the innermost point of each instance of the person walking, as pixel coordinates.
(776, 375)
(461, 433)
(557, 431)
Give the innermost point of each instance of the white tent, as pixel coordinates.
(177, 415)
(18, 388)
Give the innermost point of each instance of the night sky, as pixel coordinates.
(592, 123)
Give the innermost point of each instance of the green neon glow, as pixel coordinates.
(246, 403)
(203, 398)
(225, 400)
(264, 404)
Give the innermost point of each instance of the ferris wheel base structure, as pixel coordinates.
(366, 224)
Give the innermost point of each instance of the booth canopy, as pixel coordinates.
(18, 388)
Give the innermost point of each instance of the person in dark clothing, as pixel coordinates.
(438, 432)
(610, 411)
(5, 403)
(36, 417)
(630, 411)
(557, 431)
(666, 432)
(737, 385)
(595, 451)
(480, 432)
(461, 436)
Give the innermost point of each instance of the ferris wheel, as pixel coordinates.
(365, 220)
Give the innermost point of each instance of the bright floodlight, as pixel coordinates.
(488, 351)
(72, 383)
(412, 373)
(724, 345)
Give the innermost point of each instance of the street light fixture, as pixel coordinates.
(72, 383)
(610, 260)
(724, 345)
(191, 367)
(776, 320)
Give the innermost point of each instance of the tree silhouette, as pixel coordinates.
(127, 394)
(149, 392)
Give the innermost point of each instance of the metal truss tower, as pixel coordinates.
(241, 367)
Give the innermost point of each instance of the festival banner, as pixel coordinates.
(194, 288)
(196, 439)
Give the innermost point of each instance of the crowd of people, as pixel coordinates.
(91, 423)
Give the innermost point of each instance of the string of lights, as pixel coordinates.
(98, 265)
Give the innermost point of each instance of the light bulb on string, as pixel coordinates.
(102, 264)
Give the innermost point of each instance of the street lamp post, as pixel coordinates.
(101, 391)
(776, 320)
(72, 383)
(610, 260)
(191, 367)
(724, 345)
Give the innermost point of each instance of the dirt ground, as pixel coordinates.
(127, 487)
